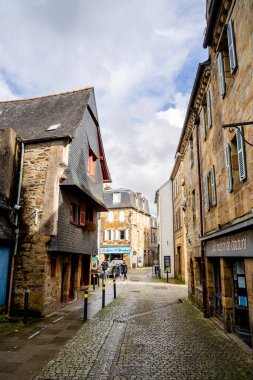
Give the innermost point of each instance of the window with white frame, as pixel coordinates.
(121, 215)
(110, 216)
(116, 198)
(122, 234)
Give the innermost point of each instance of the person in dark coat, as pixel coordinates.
(124, 270)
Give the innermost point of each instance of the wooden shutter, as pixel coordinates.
(204, 121)
(213, 186)
(127, 238)
(105, 235)
(112, 234)
(241, 154)
(229, 168)
(222, 74)
(207, 193)
(208, 105)
(231, 46)
(116, 235)
(82, 214)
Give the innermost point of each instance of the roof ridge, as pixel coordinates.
(47, 96)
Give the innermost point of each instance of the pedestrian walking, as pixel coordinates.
(124, 270)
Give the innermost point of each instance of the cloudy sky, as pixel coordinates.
(141, 56)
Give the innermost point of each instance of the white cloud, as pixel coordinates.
(140, 55)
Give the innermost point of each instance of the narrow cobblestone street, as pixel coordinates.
(148, 333)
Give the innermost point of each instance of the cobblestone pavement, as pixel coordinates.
(147, 333)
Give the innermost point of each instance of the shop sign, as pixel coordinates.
(115, 249)
(239, 244)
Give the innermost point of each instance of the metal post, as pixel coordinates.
(167, 276)
(98, 278)
(93, 281)
(25, 319)
(103, 295)
(114, 287)
(85, 308)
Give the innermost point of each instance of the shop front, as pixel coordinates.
(229, 262)
(116, 252)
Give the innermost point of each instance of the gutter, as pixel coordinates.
(51, 138)
(17, 208)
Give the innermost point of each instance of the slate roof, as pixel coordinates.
(129, 199)
(30, 118)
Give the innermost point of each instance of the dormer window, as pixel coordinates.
(92, 164)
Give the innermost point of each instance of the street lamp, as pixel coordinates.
(237, 125)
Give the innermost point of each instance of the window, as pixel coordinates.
(122, 234)
(231, 46)
(92, 164)
(81, 213)
(110, 216)
(222, 74)
(227, 62)
(229, 167)
(116, 198)
(210, 189)
(193, 206)
(241, 154)
(110, 235)
(178, 220)
(203, 118)
(121, 216)
(77, 214)
(208, 105)
(236, 160)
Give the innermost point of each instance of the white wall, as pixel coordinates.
(165, 225)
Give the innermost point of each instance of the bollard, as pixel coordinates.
(25, 319)
(114, 287)
(103, 295)
(167, 276)
(98, 277)
(93, 281)
(85, 308)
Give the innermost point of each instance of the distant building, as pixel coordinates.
(55, 166)
(163, 200)
(125, 228)
(153, 241)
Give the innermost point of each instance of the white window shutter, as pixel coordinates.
(231, 46)
(208, 105)
(207, 193)
(127, 238)
(116, 235)
(105, 235)
(229, 168)
(222, 74)
(213, 186)
(112, 235)
(204, 121)
(241, 154)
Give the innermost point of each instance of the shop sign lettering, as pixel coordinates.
(229, 244)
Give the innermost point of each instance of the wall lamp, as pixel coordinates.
(231, 126)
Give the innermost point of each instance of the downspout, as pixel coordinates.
(203, 272)
(17, 208)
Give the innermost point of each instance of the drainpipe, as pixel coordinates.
(203, 272)
(17, 208)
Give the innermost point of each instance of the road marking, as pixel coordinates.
(58, 319)
(33, 335)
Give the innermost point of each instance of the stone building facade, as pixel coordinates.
(218, 134)
(125, 228)
(63, 170)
